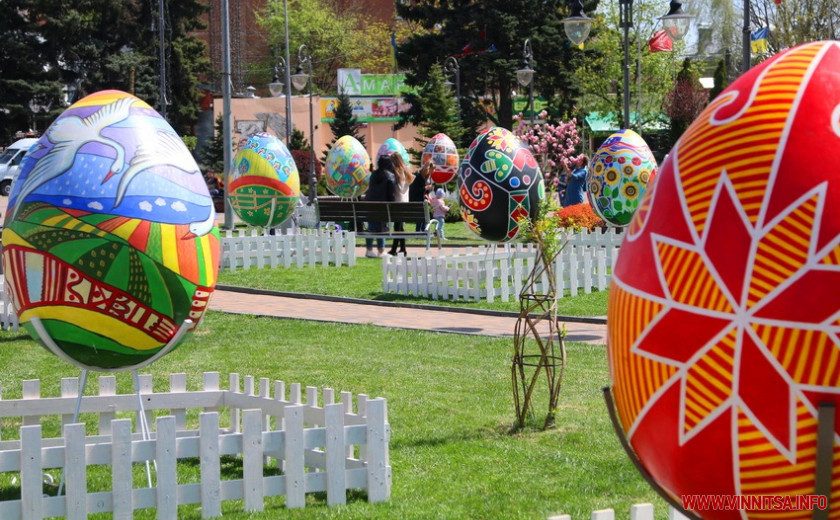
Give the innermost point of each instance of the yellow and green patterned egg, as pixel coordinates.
(264, 186)
(348, 168)
(110, 239)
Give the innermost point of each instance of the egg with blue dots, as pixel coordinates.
(499, 184)
(441, 151)
(264, 185)
(348, 168)
(110, 247)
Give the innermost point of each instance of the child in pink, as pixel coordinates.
(439, 210)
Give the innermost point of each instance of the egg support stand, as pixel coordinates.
(47, 340)
(825, 455)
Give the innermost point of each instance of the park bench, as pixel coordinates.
(356, 212)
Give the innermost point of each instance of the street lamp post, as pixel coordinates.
(676, 24)
(577, 25)
(745, 39)
(451, 66)
(300, 79)
(288, 77)
(525, 75)
(227, 118)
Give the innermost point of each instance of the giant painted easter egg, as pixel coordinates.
(109, 238)
(348, 168)
(724, 310)
(499, 183)
(441, 151)
(264, 186)
(618, 176)
(392, 146)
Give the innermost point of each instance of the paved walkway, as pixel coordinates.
(388, 315)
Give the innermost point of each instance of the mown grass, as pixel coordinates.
(453, 452)
(364, 280)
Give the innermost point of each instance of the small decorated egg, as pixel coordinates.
(724, 313)
(391, 146)
(264, 186)
(499, 183)
(442, 152)
(618, 175)
(348, 168)
(110, 238)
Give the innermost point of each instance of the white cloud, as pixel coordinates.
(178, 206)
(94, 205)
(145, 205)
(67, 201)
(160, 202)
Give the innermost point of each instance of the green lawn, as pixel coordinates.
(364, 280)
(450, 406)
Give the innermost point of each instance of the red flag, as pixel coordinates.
(660, 42)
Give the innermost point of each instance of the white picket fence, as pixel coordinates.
(637, 512)
(8, 316)
(244, 249)
(487, 273)
(315, 448)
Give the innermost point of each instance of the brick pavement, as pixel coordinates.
(387, 315)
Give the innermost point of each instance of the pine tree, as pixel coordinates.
(298, 141)
(345, 123)
(214, 154)
(438, 111)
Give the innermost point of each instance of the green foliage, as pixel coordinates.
(214, 153)
(96, 45)
(344, 123)
(685, 101)
(190, 141)
(487, 39)
(434, 111)
(298, 141)
(721, 80)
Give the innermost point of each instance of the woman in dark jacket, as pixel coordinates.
(381, 188)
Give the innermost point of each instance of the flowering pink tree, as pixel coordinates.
(551, 144)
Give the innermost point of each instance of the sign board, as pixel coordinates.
(353, 83)
(367, 110)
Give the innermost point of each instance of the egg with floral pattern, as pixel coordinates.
(110, 243)
(618, 175)
(724, 309)
(348, 168)
(264, 185)
(499, 183)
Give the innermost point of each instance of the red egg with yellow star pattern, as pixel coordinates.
(724, 310)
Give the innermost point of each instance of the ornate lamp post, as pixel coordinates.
(525, 75)
(300, 79)
(450, 66)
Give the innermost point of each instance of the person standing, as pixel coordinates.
(575, 183)
(439, 211)
(421, 188)
(382, 188)
(404, 179)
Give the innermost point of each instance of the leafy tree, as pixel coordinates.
(487, 39)
(651, 74)
(685, 101)
(795, 22)
(95, 45)
(298, 141)
(721, 80)
(433, 110)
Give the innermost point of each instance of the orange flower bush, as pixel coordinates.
(579, 216)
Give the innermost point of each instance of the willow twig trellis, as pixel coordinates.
(539, 350)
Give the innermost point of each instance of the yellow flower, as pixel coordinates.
(594, 188)
(627, 169)
(644, 176)
(630, 190)
(611, 177)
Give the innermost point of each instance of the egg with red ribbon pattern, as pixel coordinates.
(499, 183)
(441, 151)
(724, 308)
